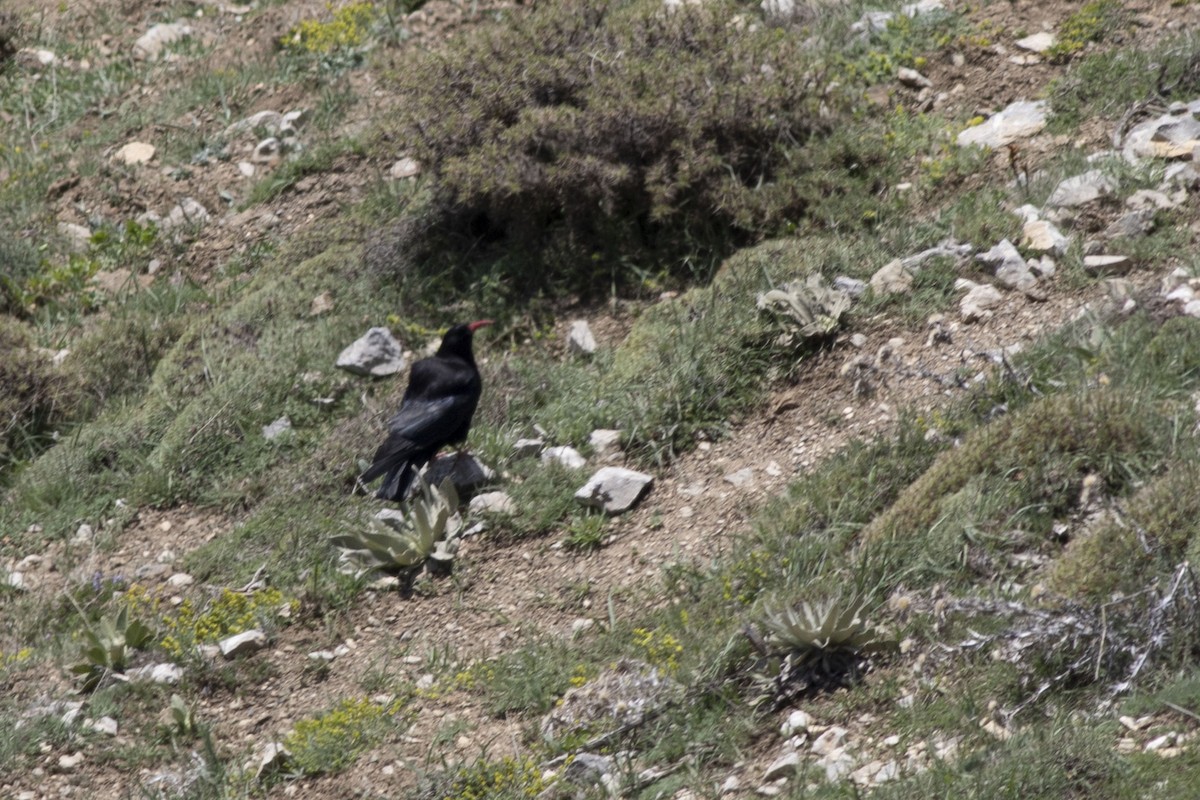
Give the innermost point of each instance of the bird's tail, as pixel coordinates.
(395, 484)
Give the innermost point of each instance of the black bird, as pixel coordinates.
(438, 404)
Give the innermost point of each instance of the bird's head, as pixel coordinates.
(457, 341)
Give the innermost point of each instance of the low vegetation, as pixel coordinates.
(1004, 562)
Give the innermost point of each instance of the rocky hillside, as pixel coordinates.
(887, 310)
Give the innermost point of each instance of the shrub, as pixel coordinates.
(596, 132)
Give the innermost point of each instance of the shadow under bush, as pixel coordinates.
(595, 140)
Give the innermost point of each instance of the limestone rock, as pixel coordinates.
(242, 644)
(1081, 189)
(1019, 120)
(852, 287)
(829, 741)
(267, 120)
(979, 302)
(79, 237)
(1106, 264)
(405, 168)
(912, 78)
(614, 489)
(1041, 236)
(376, 353)
(156, 673)
(528, 448)
(492, 503)
(564, 456)
(1131, 225)
(277, 428)
(188, 212)
(135, 153)
(892, 278)
(797, 722)
(786, 766)
(605, 443)
(150, 45)
(1038, 42)
(580, 340)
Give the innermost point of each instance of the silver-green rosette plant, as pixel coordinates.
(805, 310)
(398, 541)
(810, 645)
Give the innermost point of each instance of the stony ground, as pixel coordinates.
(502, 595)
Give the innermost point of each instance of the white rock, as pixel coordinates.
(15, 580)
(865, 775)
(1019, 120)
(580, 340)
(157, 673)
(1041, 236)
(837, 764)
(741, 478)
(1106, 265)
(272, 758)
(1043, 266)
(581, 625)
(150, 44)
(322, 656)
(1192, 309)
(785, 766)
(912, 78)
(69, 763)
(1009, 266)
(405, 168)
(979, 302)
(268, 151)
(797, 722)
(106, 725)
(242, 644)
(850, 286)
(1081, 189)
(180, 580)
(890, 771)
(135, 153)
(528, 448)
(1038, 42)
(375, 353)
(1149, 200)
(492, 503)
(564, 456)
(84, 535)
(731, 785)
(1160, 742)
(892, 278)
(1028, 213)
(872, 22)
(189, 212)
(277, 428)
(922, 7)
(772, 9)
(605, 442)
(267, 120)
(79, 237)
(829, 741)
(614, 489)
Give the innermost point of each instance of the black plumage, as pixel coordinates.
(443, 391)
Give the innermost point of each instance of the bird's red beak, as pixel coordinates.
(474, 326)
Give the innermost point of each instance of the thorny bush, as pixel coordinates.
(604, 132)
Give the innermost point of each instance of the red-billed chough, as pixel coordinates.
(438, 404)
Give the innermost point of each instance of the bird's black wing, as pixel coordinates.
(426, 423)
